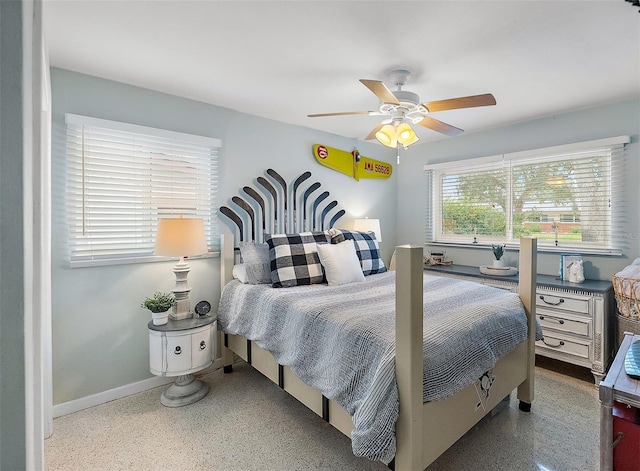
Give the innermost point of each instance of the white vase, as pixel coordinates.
(498, 264)
(160, 318)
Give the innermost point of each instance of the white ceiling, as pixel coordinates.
(284, 60)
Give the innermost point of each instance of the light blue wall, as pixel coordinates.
(99, 331)
(604, 121)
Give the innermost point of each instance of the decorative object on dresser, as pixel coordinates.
(576, 319)
(498, 251)
(159, 305)
(626, 284)
(181, 348)
(181, 237)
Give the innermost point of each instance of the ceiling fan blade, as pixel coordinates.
(343, 113)
(381, 91)
(439, 126)
(372, 134)
(462, 102)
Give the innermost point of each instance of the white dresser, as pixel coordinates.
(577, 320)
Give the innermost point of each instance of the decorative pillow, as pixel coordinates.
(256, 261)
(340, 263)
(294, 258)
(366, 248)
(239, 272)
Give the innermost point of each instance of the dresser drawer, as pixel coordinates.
(564, 322)
(571, 302)
(564, 345)
(178, 353)
(201, 348)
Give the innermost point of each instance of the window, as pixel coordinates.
(121, 178)
(567, 196)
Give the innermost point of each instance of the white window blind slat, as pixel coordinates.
(121, 178)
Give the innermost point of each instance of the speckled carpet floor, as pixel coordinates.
(248, 423)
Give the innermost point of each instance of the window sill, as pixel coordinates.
(135, 260)
(541, 248)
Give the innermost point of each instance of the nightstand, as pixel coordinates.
(181, 348)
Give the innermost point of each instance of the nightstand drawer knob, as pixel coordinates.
(203, 345)
(551, 304)
(178, 350)
(559, 321)
(560, 344)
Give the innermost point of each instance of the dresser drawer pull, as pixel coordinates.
(553, 346)
(551, 304)
(178, 350)
(559, 321)
(203, 345)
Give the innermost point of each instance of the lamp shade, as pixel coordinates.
(406, 135)
(180, 237)
(386, 135)
(368, 225)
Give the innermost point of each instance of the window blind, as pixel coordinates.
(570, 197)
(122, 178)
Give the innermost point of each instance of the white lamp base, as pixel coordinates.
(182, 308)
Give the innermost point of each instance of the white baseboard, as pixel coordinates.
(123, 391)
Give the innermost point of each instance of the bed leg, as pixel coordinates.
(524, 406)
(227, 356)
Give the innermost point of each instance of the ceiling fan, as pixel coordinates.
(403, 108)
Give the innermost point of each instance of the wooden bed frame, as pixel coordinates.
(423, 431)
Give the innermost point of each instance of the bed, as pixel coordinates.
(424, 423)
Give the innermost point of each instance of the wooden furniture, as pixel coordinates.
(618, 390)
(577, 320)
(181, 348)
(423, 431)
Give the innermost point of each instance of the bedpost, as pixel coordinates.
(527, 291)
(409, 356)
(226, 274)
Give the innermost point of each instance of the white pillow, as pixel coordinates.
(240, 273)
(340, 262)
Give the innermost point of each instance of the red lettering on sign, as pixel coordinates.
(322, 152)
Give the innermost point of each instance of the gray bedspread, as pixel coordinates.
(341, 341)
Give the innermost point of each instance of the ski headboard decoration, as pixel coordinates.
(275, 207)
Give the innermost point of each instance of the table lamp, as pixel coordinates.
(183, 237)
(368, 225)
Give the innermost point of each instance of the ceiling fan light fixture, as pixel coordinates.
(406, 135)
(386, 136)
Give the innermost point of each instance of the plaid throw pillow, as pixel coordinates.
(294, 258)
(366, 248)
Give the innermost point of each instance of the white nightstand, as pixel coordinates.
(181, 348)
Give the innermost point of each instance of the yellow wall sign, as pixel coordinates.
(351, 163)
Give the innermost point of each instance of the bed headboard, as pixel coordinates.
(273, 206)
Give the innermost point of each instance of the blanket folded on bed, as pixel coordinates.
(341, 340)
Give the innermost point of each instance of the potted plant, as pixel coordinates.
(159, 306)
(498, 251)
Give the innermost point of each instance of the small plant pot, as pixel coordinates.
(498, 264)
(160, 318)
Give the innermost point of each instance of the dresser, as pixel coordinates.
(577, 319)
